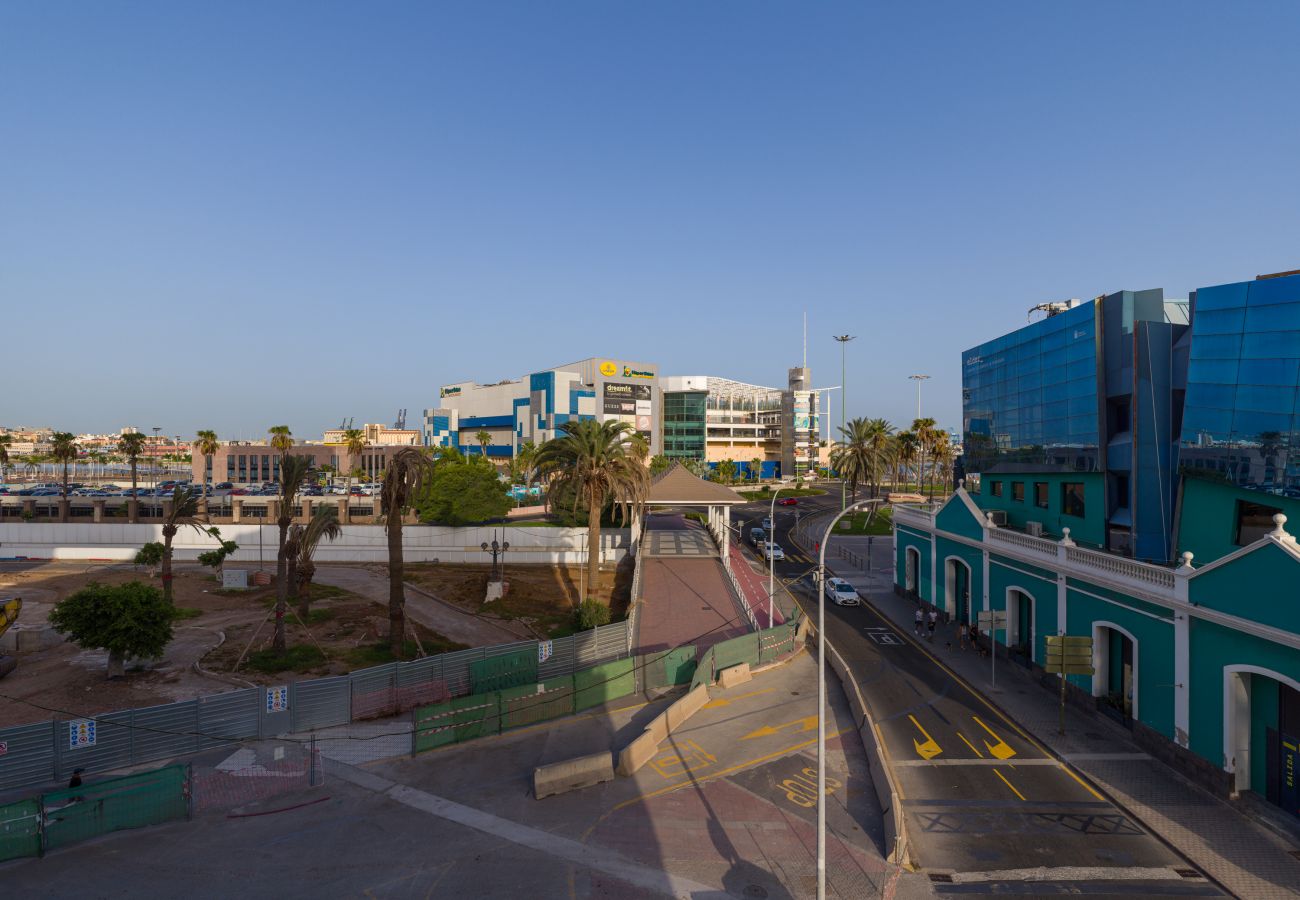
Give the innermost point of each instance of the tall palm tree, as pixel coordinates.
(404, 478)
(293, 472)
(594, 461)
(484, 438)
(207, 444)
(905, 454)
(6, 441)
(64, 449)
(355, 441)
(879, 446)
(324, 524)
(131, 445)
(281, 438)
(526, 456)
(184, 511)
(926, 436)
(849, 455)
(941, 453)
(755, 469)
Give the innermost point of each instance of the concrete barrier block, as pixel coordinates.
(734, 675)
(637, 754)
(571, 774)
(686, 707)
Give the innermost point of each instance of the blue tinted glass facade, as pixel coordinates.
(1243, 385)
(1031, 396)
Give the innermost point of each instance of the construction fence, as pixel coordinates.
(45, 753)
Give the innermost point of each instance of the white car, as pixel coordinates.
(773, 551)
(767, 523)
(843, 593)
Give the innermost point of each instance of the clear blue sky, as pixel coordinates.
(236, 215)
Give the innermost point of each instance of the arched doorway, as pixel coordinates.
(912, 566)
(1020, 625)
(1261, 733)
(957, 578)
(1115, 671)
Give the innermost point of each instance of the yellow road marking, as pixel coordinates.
(801, 789)
(1009, 784)
(716, 775)
(973, 748)
(928, 750)
(1000, 750)
(1087, 787)
(689, 757)
(807, 723)
(727, 701)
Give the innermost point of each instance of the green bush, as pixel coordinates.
(590, 614)
(151, 554)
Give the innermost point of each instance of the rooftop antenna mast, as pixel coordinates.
(805, 338)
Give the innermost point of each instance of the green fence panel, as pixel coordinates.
(477, 715)
(98, 807)
(508, 670)
(679, 665)
(20, 829)
(743, 649)
(434, 726)
(603, 683)
(528, 704)
(774, 643)
(704, 670)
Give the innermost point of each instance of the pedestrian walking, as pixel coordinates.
(934, 622)
(920, 620)
(962, 631)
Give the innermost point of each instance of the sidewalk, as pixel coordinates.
(754, 585)
(1242, 855)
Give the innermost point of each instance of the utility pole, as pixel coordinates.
(844, 403)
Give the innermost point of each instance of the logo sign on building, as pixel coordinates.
(629, 372)
(622, 398)
(608, 369)
(277, 699)
(544, 651)
(449, 392)
(81, 733)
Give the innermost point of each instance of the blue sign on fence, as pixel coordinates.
(277, 699)
(544, 651)
(81, 733)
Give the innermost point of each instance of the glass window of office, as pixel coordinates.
(1243, 386)
(1072, 498)
(995, 488)
(684, 416)
(1031, 396)
(1040, 494)
(1018, 491)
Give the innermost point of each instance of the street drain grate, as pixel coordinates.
(1188, 873)
(940, 878)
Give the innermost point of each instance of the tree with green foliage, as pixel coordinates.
(131, 445)
(64, 449)
(598, 463)
(132, 619)
(484, 439)
(697, 467)
(403, 480)
(725, 472)
(324, 524)
(293, 472)
(215, 559)
(150, 555)
(184, 512)
(6, 441)
(755, 469)
(206, 443)
(355, 441)
(462, 491)
(659, 463)
(281, 439)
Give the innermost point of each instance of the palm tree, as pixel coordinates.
(905, 454)
(207, 444)
(926, 436)
(324, 524)
(293, 471)
(184, 511)
(6, 441)
(131, 446)
(403, 480)
(755, 469)
(594, 461)
(484, 438)
(848, 456)
(281, 439)
(354, 439)
(64, 450)
(526, 456)
(942, 456)
(872, 442)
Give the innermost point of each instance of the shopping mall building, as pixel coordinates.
(1132, 476)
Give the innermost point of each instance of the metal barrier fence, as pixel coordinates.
(47, 752)
(757, 649)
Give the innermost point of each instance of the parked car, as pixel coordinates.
(757, 536)
(224, 486)
(843, 593)
(773, 551)
(787, 501)
(767, 523)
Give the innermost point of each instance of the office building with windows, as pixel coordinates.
(1188, 440)
(533, 408)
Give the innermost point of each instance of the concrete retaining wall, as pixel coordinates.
(646, 745)
(572, 774)
(358, 543)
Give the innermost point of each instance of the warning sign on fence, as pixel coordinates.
(544, 651)
(277, 699)
(4, 747)
(81, 733)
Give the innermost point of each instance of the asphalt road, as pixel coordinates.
(980, 795)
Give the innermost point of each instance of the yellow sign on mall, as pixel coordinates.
(608, 369)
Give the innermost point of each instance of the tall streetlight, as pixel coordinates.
(918, 379)
(154, 459)
(844, 401)
(821, 696)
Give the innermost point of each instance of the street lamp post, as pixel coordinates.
(821, 696)
(844, 401)
(154, 456)
(918, 379)
(771, 563)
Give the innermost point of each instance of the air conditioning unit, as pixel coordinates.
(1034, 528)
(998, 517)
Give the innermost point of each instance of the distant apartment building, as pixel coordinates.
(377, 436)
(534, 407)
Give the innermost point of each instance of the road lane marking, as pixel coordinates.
(967, 761)
(1009, 784)
(973, 748)
(807, 723)
(1001, 749)
(928, 750)
(689, 758)
(801, 790)
(727, 701)
(1087, 787)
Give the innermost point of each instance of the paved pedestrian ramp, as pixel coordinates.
(689, 542)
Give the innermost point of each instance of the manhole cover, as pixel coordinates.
(1188, 873)
(755, 891)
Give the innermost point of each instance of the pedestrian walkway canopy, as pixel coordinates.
(678, 487)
